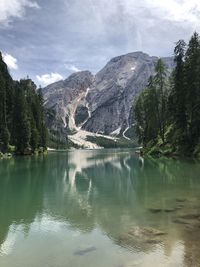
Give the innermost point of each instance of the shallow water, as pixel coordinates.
(105, 208)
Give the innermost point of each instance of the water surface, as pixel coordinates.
(106, 208)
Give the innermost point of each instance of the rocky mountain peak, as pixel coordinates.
(103, 103)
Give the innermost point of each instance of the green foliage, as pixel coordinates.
(169, 111)
(57, 142)
(130, 133)
(110, 143)
(81, 115)
(150, 107)
(5, 138)
(21, 131)
(192, 83)
(21, 114)
(197, 151)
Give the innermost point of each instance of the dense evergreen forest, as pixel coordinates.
(167, 112)
(22, 126)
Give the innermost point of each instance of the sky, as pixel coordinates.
(48, 40)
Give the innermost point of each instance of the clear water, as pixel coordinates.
(104, 208)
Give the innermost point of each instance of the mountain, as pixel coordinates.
(101, 103)
(63, 98)
(115, 87)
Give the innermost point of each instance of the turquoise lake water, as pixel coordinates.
(100, 208)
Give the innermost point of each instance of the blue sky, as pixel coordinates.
(50, 39)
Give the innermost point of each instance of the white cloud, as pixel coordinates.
(14, 8)
(112, 27)
(101, 30)
(177, 10)
(72, 68)
(49, 78)
(10, 61)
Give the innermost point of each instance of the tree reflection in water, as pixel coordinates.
(126, 197)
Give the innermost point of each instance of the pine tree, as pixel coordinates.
(178, 95)
(21, 123)
(34, 139)
(192, 87)
(150, 108)
(4, 132)
(159, 79)
(35, 113)
(43, 128)
(146, 114)
(21, 114)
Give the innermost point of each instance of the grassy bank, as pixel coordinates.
(111, 143)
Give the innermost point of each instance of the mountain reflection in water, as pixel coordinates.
(99, 208)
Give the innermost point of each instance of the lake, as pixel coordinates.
(99, 208)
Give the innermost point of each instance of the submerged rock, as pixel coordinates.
(155, 210)
(158, 210)
(191, 220)
(180, 200)
(145, 232)
(84, 251)
(134, 263)
(193, 226)
(170, 210)
(141, 237)
(179, 207)
(191, 216)
(180, 221)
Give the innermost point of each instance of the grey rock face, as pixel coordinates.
(60, 95)
(110, 96)
(115, 88)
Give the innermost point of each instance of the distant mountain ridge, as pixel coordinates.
(101, 103)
